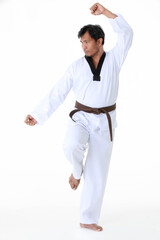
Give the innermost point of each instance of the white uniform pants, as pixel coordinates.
(84, 134)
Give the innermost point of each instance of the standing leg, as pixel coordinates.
(95, 176)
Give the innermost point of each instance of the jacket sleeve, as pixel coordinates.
(54, 98)
(124, 39)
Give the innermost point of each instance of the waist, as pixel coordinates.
(106, 110)
(88, 109)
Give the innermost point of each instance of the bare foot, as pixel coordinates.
(73, 182)
(93, 227)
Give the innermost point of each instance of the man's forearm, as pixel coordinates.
(109, 14)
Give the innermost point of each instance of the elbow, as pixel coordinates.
(131, 36)
(130, 33)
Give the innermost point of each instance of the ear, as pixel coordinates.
(99, 41)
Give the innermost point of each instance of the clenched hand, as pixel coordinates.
(97, 9)
(30, 120)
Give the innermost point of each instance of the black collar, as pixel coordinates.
(96, 71)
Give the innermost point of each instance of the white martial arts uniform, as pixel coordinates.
(90, 131)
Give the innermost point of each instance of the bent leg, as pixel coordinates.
(95, 176)
(74, 147)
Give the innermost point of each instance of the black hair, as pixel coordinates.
(95, 31)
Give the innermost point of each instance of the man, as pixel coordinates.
(94, 79)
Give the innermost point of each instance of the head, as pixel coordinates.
(92, 39)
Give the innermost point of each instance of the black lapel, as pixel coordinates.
(96, 72)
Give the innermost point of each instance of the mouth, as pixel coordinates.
(86, 52)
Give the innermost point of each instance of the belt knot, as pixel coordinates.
(106, 110)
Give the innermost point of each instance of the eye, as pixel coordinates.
(85, 41)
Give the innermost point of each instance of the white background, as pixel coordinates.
(38, 41)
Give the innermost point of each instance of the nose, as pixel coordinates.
(84, 46)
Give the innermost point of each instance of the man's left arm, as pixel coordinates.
(124, 39)
(121, 27)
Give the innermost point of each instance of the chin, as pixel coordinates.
(88, 54)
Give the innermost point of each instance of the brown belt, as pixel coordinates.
(106, 110)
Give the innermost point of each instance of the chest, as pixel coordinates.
(85, 73)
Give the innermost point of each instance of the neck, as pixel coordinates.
(97, 57)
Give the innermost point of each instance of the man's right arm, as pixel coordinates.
(52, 100)
(30, 120)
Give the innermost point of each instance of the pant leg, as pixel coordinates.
(75, 145)
(95, 176)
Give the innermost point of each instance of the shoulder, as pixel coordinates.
(77, 63)
(75, 66)
(109, 55)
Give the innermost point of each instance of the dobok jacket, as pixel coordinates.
(79, 77)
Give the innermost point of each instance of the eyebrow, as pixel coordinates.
(84, 40)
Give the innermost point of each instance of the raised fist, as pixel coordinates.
(97, 9)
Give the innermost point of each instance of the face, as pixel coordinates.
(89, 45)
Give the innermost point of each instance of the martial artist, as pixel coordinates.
(94, 80)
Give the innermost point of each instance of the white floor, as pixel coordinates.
(45, 223)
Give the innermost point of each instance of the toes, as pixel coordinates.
(73, 182)
(98, 228)
(74, 187)
(93, 227)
